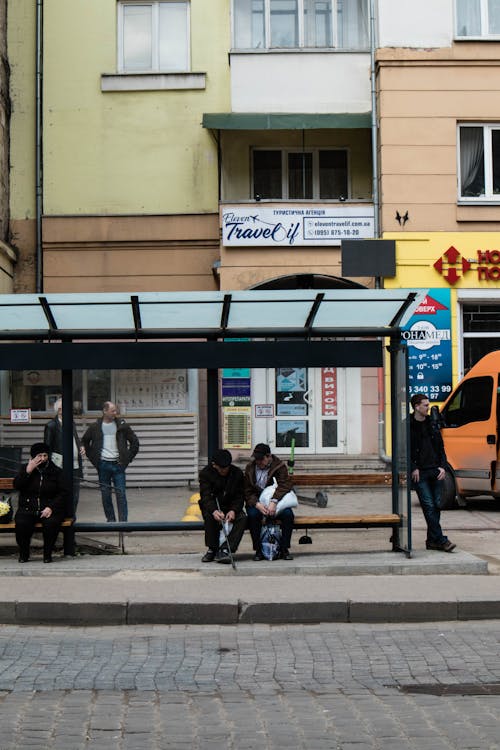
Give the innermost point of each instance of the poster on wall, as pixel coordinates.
(151, 389)
(428, 336)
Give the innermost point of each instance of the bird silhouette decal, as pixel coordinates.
(402, 219)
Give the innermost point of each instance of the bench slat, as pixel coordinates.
(334, 480)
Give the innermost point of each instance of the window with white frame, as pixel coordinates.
(153, 36)
(292, 24)
(478, 18)
(479, 147)
(309, 174)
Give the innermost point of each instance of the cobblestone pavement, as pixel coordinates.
(320, 687)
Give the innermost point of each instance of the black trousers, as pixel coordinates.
(213, 527)
(25, 526)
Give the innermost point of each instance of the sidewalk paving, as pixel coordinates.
(344, 576)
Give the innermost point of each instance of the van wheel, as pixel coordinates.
(449, 493)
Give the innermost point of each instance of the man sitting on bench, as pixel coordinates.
(42, 499)
(260, 473)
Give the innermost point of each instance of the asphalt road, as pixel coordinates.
(319, 687)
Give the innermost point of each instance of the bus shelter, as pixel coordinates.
(213, 330)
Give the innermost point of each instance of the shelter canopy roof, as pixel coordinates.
(309, 312)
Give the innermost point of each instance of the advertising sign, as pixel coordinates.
(428, 336)
(290, 226)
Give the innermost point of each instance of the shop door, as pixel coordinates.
(308, 406)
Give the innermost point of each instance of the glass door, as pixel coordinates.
(308, 407)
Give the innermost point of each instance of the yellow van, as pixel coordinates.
(470, 429)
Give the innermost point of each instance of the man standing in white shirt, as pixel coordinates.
(110, 445)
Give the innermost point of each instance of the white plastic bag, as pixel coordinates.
(289, 500)
(227, 528)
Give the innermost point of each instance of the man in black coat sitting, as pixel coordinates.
(221, 501)
(42, 497)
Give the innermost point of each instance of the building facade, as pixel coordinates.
(177, 146)
(439, 139)
(195, 146)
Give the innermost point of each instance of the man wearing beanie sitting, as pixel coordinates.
(221, 501)
(42, 497)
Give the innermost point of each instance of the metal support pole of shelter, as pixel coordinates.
(213, 427)
(67, 432)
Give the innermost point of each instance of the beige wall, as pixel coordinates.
(422, 97)
(155, 253)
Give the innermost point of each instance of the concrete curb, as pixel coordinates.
(237, 611)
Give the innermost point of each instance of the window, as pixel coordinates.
(300, 175)
(471, 402)
(153, 37)
(481, 331)
(478, 18)
(292, 24)
(479, 147)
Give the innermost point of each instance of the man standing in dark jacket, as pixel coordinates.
(221, 501)
(260, 473)
(428, 461)
(110, 445)
(54, 438)
(42, 498)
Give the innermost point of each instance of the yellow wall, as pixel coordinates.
(416, 254)
(21, 48)
(114, 152)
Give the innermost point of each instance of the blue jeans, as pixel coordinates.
(429, 494)
(111, 472)
(255, 525)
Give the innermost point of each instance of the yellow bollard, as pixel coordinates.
(193, 512)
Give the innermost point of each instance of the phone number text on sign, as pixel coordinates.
(338, 227)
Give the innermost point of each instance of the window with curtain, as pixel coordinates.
(153, 36)
(308, 174)
(292, 24)
(479, 147)
(478, 18)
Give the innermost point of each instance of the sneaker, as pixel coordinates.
(223, 556)
(444, 547)
(209, 556)
(285, 555)
(258, 555)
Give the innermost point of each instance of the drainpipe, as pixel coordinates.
(38, 146)
(376, 209)
(374, 126)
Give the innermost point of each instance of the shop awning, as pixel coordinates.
(207, 315)
(299, 121)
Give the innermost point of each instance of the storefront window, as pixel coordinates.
(481, 324)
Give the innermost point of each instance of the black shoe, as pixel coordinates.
(47, 558)
(209, 556)
(258, 555)
(24, 558)
(444, 547)
(222, 556)
(285, 555)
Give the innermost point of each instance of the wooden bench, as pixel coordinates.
(320, 521)
(354, 479)
(7, 483)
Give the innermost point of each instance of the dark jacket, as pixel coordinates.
(430, 432)
(126, 440)
(41, 489)
(54, 438)
(277, 470)
(227, 490)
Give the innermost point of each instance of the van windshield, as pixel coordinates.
(471, 402)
